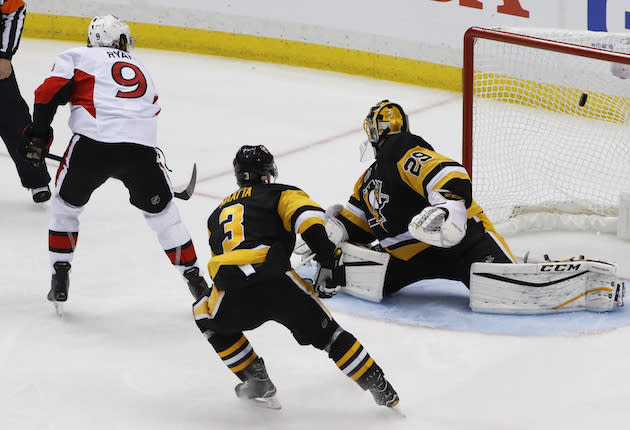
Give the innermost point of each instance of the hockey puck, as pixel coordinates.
(583, 98)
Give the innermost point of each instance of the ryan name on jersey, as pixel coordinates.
(118, 54)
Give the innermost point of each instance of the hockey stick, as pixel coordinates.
(185, 194)
(54, 157)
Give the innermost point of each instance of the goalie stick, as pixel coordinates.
(185, 194)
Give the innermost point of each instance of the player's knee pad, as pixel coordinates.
(332, 347)
(164, 219)
(168, 225)
(365, 271)
(319, 336)
(551, 286)
(65, 217)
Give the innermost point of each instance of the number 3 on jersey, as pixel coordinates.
(135, 78)
(231, 218)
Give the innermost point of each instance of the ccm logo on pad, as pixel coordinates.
(560, 267)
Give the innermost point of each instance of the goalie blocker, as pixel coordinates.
(541, 288)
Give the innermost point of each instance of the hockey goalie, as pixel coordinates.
(411, 217)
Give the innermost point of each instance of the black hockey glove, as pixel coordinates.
(35, 146)
(330, 277)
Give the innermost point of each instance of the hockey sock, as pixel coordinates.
(63, 231)
(61, 246)
(183, 256)
(350, 356)
(173, 236)
(235, 351)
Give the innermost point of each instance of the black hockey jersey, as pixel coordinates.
(256, 225)
(395, 188)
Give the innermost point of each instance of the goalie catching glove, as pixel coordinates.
(442, 224)
(329, 276)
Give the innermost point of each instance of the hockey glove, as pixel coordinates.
(442, 224)
(35, 147)
(329, 278)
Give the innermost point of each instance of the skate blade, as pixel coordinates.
(265, 402)
(397, 411)
(58, 309)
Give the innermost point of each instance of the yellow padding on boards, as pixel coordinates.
(267, 49)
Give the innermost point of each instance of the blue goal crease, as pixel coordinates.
(443, 304)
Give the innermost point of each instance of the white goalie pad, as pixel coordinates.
(548, 287)
(336, 234)
(365, 271)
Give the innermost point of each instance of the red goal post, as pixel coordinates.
(556, 91)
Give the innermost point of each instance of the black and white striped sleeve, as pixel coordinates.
(11, 24)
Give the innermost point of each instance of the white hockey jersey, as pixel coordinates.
(112, 95)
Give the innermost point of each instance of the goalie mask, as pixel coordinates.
(109, 32)
(384, 119)
(253, 165)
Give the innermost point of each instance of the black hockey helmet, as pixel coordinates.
(252, 164)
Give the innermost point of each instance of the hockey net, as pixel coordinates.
(546, 133)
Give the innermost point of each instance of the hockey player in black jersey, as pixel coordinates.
(252, 234)
(417, 206)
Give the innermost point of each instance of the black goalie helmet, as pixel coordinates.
(252, 164)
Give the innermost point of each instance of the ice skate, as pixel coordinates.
(380, 388)
(257, 387)
(59, 285)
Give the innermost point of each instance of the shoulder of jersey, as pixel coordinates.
(77, 50)
(281, 187)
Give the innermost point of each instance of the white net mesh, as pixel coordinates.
(551, 131)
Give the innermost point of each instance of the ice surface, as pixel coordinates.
(127, 354)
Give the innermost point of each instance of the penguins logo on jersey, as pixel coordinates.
(375, 200)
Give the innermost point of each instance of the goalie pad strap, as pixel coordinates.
(364, 271)
(538, 288)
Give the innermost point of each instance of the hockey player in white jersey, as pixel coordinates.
(113, 118)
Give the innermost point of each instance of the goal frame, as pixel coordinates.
(474, 33)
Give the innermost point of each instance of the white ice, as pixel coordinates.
(127, 354)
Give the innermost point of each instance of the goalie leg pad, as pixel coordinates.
(364, 271)
(540, 288)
